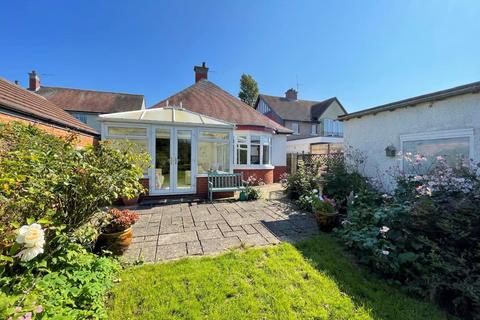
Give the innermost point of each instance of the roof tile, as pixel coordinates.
(297, 110)
(26, 102)
(209, 99)
(92, 101)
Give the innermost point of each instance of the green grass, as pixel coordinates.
(315, 281)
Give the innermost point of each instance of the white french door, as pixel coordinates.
(174, 159)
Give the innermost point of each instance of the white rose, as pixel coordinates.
(29, 253)
(385, 252)
(33, 239)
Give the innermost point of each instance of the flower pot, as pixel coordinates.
(116, 242)
(243, 196)
(130, 201)
(326, 221)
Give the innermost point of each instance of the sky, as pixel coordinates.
(365, 53)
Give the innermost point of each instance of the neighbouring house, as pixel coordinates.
(444, 123)
(18, 104)
(199, 130)
(87, 105)
(315, 124)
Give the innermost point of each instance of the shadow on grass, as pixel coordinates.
(384, 301)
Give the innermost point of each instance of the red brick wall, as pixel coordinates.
(265, 174)
(202, 189)
(277, 172)
(82, 139)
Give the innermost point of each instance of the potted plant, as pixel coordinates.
(130, 201)
(325, 213)
(117, 234)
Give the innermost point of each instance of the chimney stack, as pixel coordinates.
(291, 94)
(201, 72)
(33, 81)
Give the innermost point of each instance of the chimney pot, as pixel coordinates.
(33, 81)
(291, 94)
(201, 72)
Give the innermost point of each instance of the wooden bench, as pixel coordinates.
(224, 182)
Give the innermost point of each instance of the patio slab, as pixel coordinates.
(180, 230)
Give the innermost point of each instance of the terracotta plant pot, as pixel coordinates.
(130, 201)
(326, 221)
(116, 242)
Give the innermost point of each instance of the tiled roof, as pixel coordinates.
(297, 110)
(473, 87)
(92, 101)
(209, 99)
(17, 99)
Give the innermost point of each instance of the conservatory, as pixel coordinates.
(184, 146)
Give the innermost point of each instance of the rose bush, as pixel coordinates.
(49, 192)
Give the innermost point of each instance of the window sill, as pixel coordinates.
(253, 166)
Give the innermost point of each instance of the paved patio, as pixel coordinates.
(190, 229)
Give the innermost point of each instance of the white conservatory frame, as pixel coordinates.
(196, 124)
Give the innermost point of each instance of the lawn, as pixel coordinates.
(315, 280)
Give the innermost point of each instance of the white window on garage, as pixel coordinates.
(455, 146)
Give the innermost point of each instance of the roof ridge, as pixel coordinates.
(91, 90)
(316, 101)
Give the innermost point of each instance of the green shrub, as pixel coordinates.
(69, 284)
(43, 176)
(303, 181)
(342, 176)
(56, 189)
(426, 236)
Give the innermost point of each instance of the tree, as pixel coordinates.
(248, 90)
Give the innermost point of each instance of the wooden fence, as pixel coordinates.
(308, 159)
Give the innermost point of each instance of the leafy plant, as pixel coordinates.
(43, 176)
(320, 206)
(425, 236)
(342, 176)
(120, 220)
(250, 191)
(305, 179)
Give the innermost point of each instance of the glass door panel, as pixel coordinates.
(184, 159)
(163, 168)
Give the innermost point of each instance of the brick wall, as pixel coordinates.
(265, 174)
(278, 171)
(83, 139)
(202, 190)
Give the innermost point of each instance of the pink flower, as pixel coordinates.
(27, 316)
(38, 309)
(18, 309)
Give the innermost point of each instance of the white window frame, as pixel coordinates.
(229, 141)
(442, 134)
(296, 128)
(248, 135)
(106, 136)
(314, 129)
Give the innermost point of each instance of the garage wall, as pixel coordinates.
(371, 134)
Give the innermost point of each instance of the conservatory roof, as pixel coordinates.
(166, 115)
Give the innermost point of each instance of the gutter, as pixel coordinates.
(30, 116)
(411, 102)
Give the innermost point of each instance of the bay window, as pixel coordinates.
(252, 149)
(213, 152)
